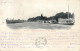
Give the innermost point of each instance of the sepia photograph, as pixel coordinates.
(53, 15)
(39, 25)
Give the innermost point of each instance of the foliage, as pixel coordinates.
(58, 15)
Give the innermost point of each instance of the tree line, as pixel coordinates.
(56, 17)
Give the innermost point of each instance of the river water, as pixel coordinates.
(36, 25)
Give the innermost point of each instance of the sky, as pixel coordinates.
(24, 9)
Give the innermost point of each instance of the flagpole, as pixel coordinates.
(68, 10)
(68, 13)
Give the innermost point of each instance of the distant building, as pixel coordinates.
(40, 19)
(43, 19)
(65, 21)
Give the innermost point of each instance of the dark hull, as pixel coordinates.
(69, 24)
(14, 21)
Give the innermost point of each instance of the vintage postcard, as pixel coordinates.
(39, 25)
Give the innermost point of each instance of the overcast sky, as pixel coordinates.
(24, 9)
